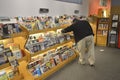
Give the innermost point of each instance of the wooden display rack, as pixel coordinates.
(52, 47)
(56, 68)
(28, 75)
(4, 66)
(46, 30)
(102, 31)
(18, 38)
(29, 55)
(21, 38)
(41, 31)
(7, 64)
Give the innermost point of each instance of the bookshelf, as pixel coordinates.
(15, 44)
(30, 56)
(102, 31)
(114, 32)
(21, 38)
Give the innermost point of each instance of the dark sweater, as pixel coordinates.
(80, 29)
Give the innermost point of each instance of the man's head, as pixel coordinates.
(75, 20)
(83, 18)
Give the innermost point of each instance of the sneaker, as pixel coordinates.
(92, 65)
(81, 63)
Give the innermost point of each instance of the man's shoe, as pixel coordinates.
(92, 65)
(81, 63)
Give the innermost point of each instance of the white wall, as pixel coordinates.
(31, 7)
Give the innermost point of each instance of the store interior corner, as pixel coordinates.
(32, 46)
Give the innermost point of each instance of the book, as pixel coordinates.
(10, 74)
(17, 54)
(3, 59)
(13, 61)
(57, 59)
(3, 75)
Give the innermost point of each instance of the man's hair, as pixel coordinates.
(83, 18)
(75, 20)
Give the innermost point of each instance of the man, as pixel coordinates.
(83, 36)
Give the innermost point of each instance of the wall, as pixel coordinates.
(94, 6)
(31, 7)
(115, 2)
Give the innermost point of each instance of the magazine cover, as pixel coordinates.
(13, 61)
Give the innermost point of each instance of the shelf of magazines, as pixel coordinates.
(34, 30)
(47, 49)
(9, 42)
(15, 32)
(52, 70)
(18, 34)
(46, 30)
(8, 64)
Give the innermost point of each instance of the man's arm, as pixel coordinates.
(68, 29)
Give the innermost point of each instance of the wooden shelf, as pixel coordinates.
(65, 25)
(101, 35)
(23, 28)
(101, 41)
(56, 68)
(18, 34)
(23, 33)
(52, 47)
(101, 44)
(4, 66)
(28, 76)
(46, 30)
(103, 22)
(24, 71)
(15, 35)
(102, 29)
(43, 30)
(11, 40)
(7, 64)
(23, 59)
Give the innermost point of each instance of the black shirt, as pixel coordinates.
(80, 30)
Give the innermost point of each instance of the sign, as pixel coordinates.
(43, 10)
(76, 11)
(4, 19)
